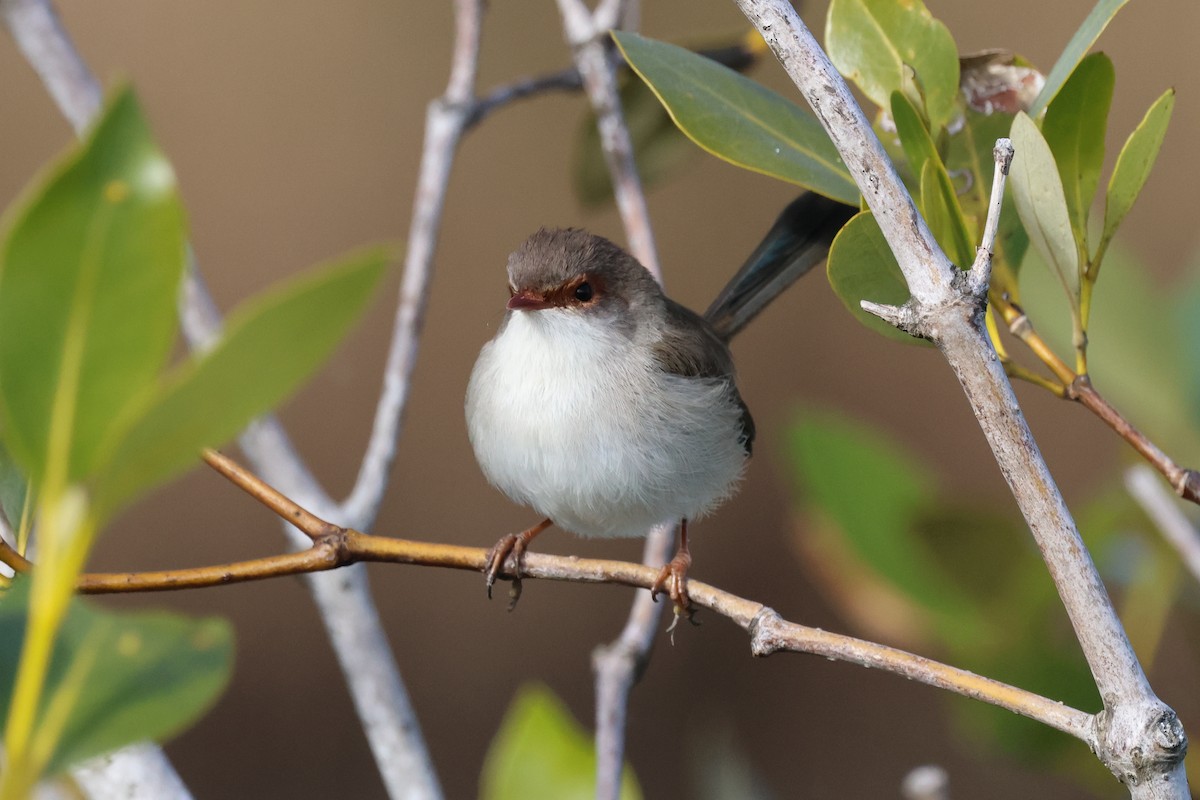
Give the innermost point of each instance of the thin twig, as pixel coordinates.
(1160, 506)
(1185, 482)
(1138, 737)
(445, 122)
(769, 633)
(587, 34)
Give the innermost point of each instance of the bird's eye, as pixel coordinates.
(583, 292)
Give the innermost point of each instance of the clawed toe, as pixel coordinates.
(513, 544)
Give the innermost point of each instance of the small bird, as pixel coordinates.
(609, 408)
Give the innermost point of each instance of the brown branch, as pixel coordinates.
(12, 558)
(1185, 482)
(769, 633)
(284, 507)
(334, 546)
(1073, 386)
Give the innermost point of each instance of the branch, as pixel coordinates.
(1139, 738)
(618, 665)
(769, 633)
(1172, 523)
(587, 34)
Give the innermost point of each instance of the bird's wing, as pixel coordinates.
(691, 348)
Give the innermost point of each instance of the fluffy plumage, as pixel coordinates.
(606, 415)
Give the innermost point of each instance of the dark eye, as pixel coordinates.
(583, 292)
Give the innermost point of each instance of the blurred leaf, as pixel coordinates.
(117, 679)
(659, 147)
(1042, 206)
(1093, 25)
(1134, 164)
(738, 120)
(860, 267)
(1074, 129)
(721, 769)
(871, 42)
(270, 345)
(14, 488)
(939, 205)
(540, 752)
(1135, 350)
(1186, 308)
(874, 491)
(89, 271)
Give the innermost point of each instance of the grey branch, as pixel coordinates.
(1138, 737)
(1163, 509)
(618, 665)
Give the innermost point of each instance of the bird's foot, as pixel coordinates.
(672, 578)
(513, 544)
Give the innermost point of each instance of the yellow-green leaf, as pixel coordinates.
(116, 678)
(1074, 129)
(269, 346)
(541, 751)
(861, 266)
(1040, 201)
(872, 41)
(1134, 164)
(89, 272)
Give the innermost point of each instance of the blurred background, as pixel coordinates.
(296, 132)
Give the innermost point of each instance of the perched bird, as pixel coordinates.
(609, 408)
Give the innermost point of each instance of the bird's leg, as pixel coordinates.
(673, 577)
(514, 544)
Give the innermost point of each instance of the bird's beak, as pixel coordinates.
(528, 300)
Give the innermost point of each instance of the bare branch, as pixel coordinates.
(1138, 737)
(981, 271)
(769, 633)
(587, 34)
(445, 121)
(1172, 523)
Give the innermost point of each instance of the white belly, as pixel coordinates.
(592, 435)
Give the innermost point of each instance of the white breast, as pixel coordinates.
(568, 417)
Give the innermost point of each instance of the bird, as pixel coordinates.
(609, 408)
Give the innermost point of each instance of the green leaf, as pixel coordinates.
(877, 494)
(14, 489)
(1093, 25)
(1134, 164)
(871, 42)
(939, 206)
(1042, 206)
(1074, 129)
(914, 135)
(860, 267)
(116, 678)
(541, 751)
(269, 346)
(89, 272)
(738, 120)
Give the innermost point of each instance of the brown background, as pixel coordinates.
(296, 129)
